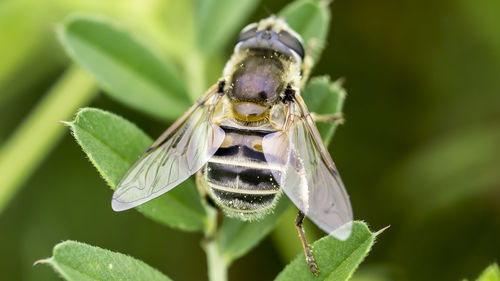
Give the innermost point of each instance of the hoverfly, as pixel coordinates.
(249, 138)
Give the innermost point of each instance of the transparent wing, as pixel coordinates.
(181, 151)
(308, 175)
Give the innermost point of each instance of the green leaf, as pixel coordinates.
(377, 272)
(125, 68)
(326, 98)
(179, 208)
(112, 144)
(337, 260)
(219, 20)
(78, 261)
(311, 19)
(491, 273)
(237, 237)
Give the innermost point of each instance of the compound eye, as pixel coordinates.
(247, 34)
(291, 42)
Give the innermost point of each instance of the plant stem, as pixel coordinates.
(216, 262)
(217, 268)
(39, 132)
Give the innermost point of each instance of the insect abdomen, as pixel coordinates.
(238, 178)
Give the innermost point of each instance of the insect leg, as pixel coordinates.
(200, 185)
(308, 61)
(307, 251)
(337, 118)
(202, 189)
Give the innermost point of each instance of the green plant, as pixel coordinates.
(491, 273)
(130, 71)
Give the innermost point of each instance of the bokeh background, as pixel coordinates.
(420, 149)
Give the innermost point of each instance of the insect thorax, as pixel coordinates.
(257, 80)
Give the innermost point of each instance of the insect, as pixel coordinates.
(249, 138)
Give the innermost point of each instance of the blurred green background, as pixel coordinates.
(420, 149)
